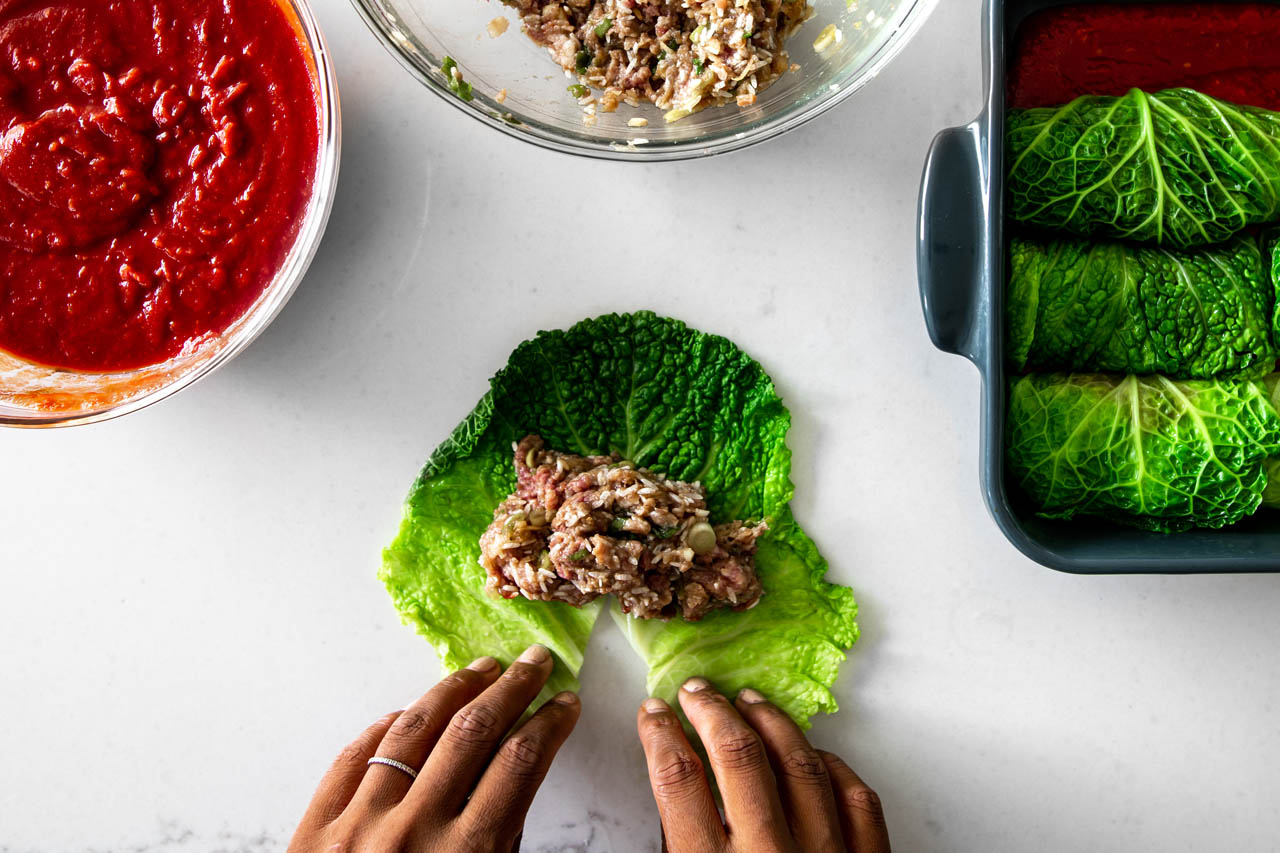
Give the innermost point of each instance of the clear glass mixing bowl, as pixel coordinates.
(538, 109)
(34, 395)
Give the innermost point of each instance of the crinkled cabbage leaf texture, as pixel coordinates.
(1174, 168)
(1144, 450)
(1120, 308)
(690, 405)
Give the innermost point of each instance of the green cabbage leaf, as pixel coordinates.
(1270, 242)
(789, 646)
(1271, 493)
(1175, 168)
(690, 405)
(1115, 307)
(1147, 451)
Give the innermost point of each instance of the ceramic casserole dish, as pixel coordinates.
(962, 251)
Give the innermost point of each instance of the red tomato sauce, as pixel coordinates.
(156, 160)
(1228, 50)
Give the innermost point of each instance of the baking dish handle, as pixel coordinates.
(951, 241)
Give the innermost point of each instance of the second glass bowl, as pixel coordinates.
(538, 109)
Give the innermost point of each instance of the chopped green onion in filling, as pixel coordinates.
(579, 91)
(603, 27)
(453, 77)
(702, 538)
(829, 36)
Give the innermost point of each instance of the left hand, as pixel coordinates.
(473, 788)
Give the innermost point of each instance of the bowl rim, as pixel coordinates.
(799, 112)
(287, 279)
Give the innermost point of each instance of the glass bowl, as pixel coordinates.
(539, 109)
(33, 395)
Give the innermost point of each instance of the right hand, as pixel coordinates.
(780, 794)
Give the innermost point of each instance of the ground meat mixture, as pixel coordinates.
(681, 56)
(579, 527)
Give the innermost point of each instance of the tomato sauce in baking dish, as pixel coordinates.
(1227, 50)
(156, 160)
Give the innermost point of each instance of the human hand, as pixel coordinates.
(780, 794)
(473, 788)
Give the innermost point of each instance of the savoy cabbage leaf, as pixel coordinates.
(1115, 307)
(1270, 241)
(1146, 451)
(1271, 494)
(687, 404)
(789, 646)
(1175, 168)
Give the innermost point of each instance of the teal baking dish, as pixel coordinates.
(961, 255)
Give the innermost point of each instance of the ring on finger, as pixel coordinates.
(391, 762)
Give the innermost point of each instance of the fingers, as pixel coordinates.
(502, 798)
(473, 734)
(861, 816)
(343, 778)
(753, 811)
(415, 733)
(804, 784)
(690, 820)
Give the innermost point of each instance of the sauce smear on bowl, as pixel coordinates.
(1227, 50)
(156, 160)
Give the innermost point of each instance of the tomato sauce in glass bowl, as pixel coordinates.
(157, 161)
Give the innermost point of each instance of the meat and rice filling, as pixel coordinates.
(681, 56)
(579, 527)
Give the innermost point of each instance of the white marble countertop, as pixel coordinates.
(190, 623)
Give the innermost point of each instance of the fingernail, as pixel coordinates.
(483, 664)
(566, 698)
(693, 685)
(654, 705)
(535, 654)
(752, 697)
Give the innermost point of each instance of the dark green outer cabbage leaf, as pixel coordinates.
(1146, 451)
(1270, 242)
(1174, 168)
(1271, 494)
(1115, 307)
(690, 405)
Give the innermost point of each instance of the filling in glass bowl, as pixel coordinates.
(680, 56)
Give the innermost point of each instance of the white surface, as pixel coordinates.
(190, 625)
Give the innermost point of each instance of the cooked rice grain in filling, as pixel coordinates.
(681, 56)
(579, 527)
